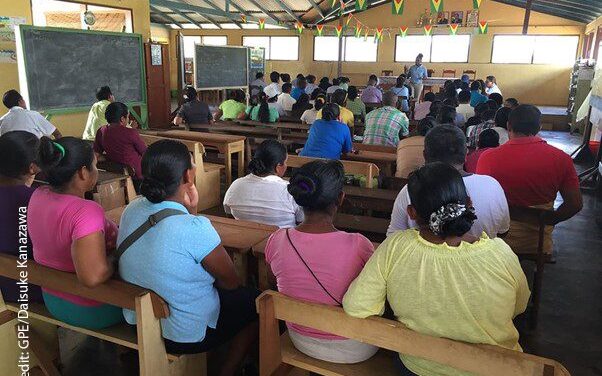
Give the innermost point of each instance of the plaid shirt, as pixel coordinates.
(473, 136)
(384, 125)
(357, 107)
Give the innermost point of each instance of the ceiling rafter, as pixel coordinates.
(167, 17)
(288, 10)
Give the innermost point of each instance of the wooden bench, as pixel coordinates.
(376, 148)
(385, 161)
(277, 355)
(146, 337)
(207, 174)
(381, 200)
(369, 170)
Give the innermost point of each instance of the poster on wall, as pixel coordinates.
(257, 58)
(156, 54)
(8, 57)
(7, 27)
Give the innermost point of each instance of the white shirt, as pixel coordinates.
(264, 200)
(332, 89)
(310, 88)
(466, 110)
(487, 197)
(493, 89)
(309, 116)
(272, 90)
(286, 101)
(20, 119)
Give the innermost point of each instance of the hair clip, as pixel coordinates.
(60, 147)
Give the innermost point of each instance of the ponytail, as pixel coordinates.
(264, 109)
(319, 102)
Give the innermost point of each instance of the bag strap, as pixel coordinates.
(152, 220)
(312, 273)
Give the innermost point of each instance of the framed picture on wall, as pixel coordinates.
(472, 18)
(442, 18)
(457, 17)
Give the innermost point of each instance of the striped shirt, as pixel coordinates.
(384, 125)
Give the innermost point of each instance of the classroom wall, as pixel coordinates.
(538, 84)
(72, 124)
(159, 33)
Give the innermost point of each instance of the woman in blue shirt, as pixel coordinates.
(328, 138)
(402, 92)
(181, 258)
(476, 98)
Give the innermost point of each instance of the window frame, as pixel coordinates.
(344, 60)
(412, 35)
(533, 52)
(451, 62)
(131, 10)
(270, 44)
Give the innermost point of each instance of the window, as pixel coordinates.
(354, 49)
(190, 41)
(534, 49)
(215, 40)
(276, 48)
(450, 48)
(73, 15)
(407, 48)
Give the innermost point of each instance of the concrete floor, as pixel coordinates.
(570, 318)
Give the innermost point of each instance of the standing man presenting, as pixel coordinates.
(417, 73)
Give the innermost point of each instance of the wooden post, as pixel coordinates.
(340, 61)
(527, 16)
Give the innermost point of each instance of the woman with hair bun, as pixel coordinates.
(440, 280)
(316, 262)
(328, 137)
(181, 259)
(70, 233)
(262, 195)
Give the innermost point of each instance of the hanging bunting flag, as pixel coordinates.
(476, 4)
(348, 19)
(389, 33)
(361, 4)
(299, 27)
(379, 33)
(342, 8)
(403, 31)
(366, 34)
(436, 6)
(397, 7)
(428, 30)
(453, 29)
(358, 30)
(339, 30)
(243, 18)
(334, 2)
(320, 29)
(483, 27)
(261, 24)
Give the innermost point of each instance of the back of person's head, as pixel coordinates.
(302, 103)
(430, 97)
(488, 115)
(458, 84)
(475, 86)
(103, 93)
(301, 82)
(491, 79)
(232, 94)
(317, 91)
(324, 80)
(352, 92)
(274, 76)
(285, 77)
(446, 115)
(62, 159)
(264, 109)
(389, 99)
(435, 107)
(336, 82)
(451, 102)
(239, 96)
(401, 79)
(311, 78)
(492, 104)
(344, 80)
(497, 98)
(11, 98)
(466, 86)
(268, 155)
(447, 84)
(480, 108)
(300, 75)
(317, 186)
(425, 125)
(525, 120)
(372, 81)
(190, 93)
(115, 111)
(481, 85)
(501, 117)
(258, 75)
(18, 154)
(445, 143)
(464, 96)
(330, 111)
(439, 198)
(373, 77)
(465, 78)
(163, 167)
(511, 103)
(319, 102)
(488, 138)
(287, 87)
(339, 97)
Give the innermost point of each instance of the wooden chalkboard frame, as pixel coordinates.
(22, 66)
(245, 87)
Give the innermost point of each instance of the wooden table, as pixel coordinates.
(370, 198)
(225, 144)
(384, 161)
(279, 126)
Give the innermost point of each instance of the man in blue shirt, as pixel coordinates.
(476, 98)
(416, 73)
(300, 88)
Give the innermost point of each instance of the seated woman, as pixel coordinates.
(316, 262)
(301, 105)
(118, 142)
(262, 195)
(261, 111)
(355, 104)
(328, 138)
(488, 139)
(70, 233)
(181, 258)
(501, 123)
(193, 112)
(18, 155)
(309, 116)
(232, 107)
(438, 279)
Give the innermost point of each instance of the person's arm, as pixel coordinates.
(347, 143)
(57, 134)
(571, 205)
(139, 145)
(218, 114)
(424, 73)
(178, 120)
(399, 215)
(219, 264)
(89, 255)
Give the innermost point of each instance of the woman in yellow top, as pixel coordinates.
(439, 280)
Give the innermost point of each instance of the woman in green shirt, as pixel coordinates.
(439, 280)
(233, 107)
(261, 111)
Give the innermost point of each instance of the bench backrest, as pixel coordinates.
(194, 147)
(395, 336)
(113, 291)
(369, 170)
(376, 148)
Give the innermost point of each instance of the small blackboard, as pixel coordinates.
(61, 69)
(220, 67)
